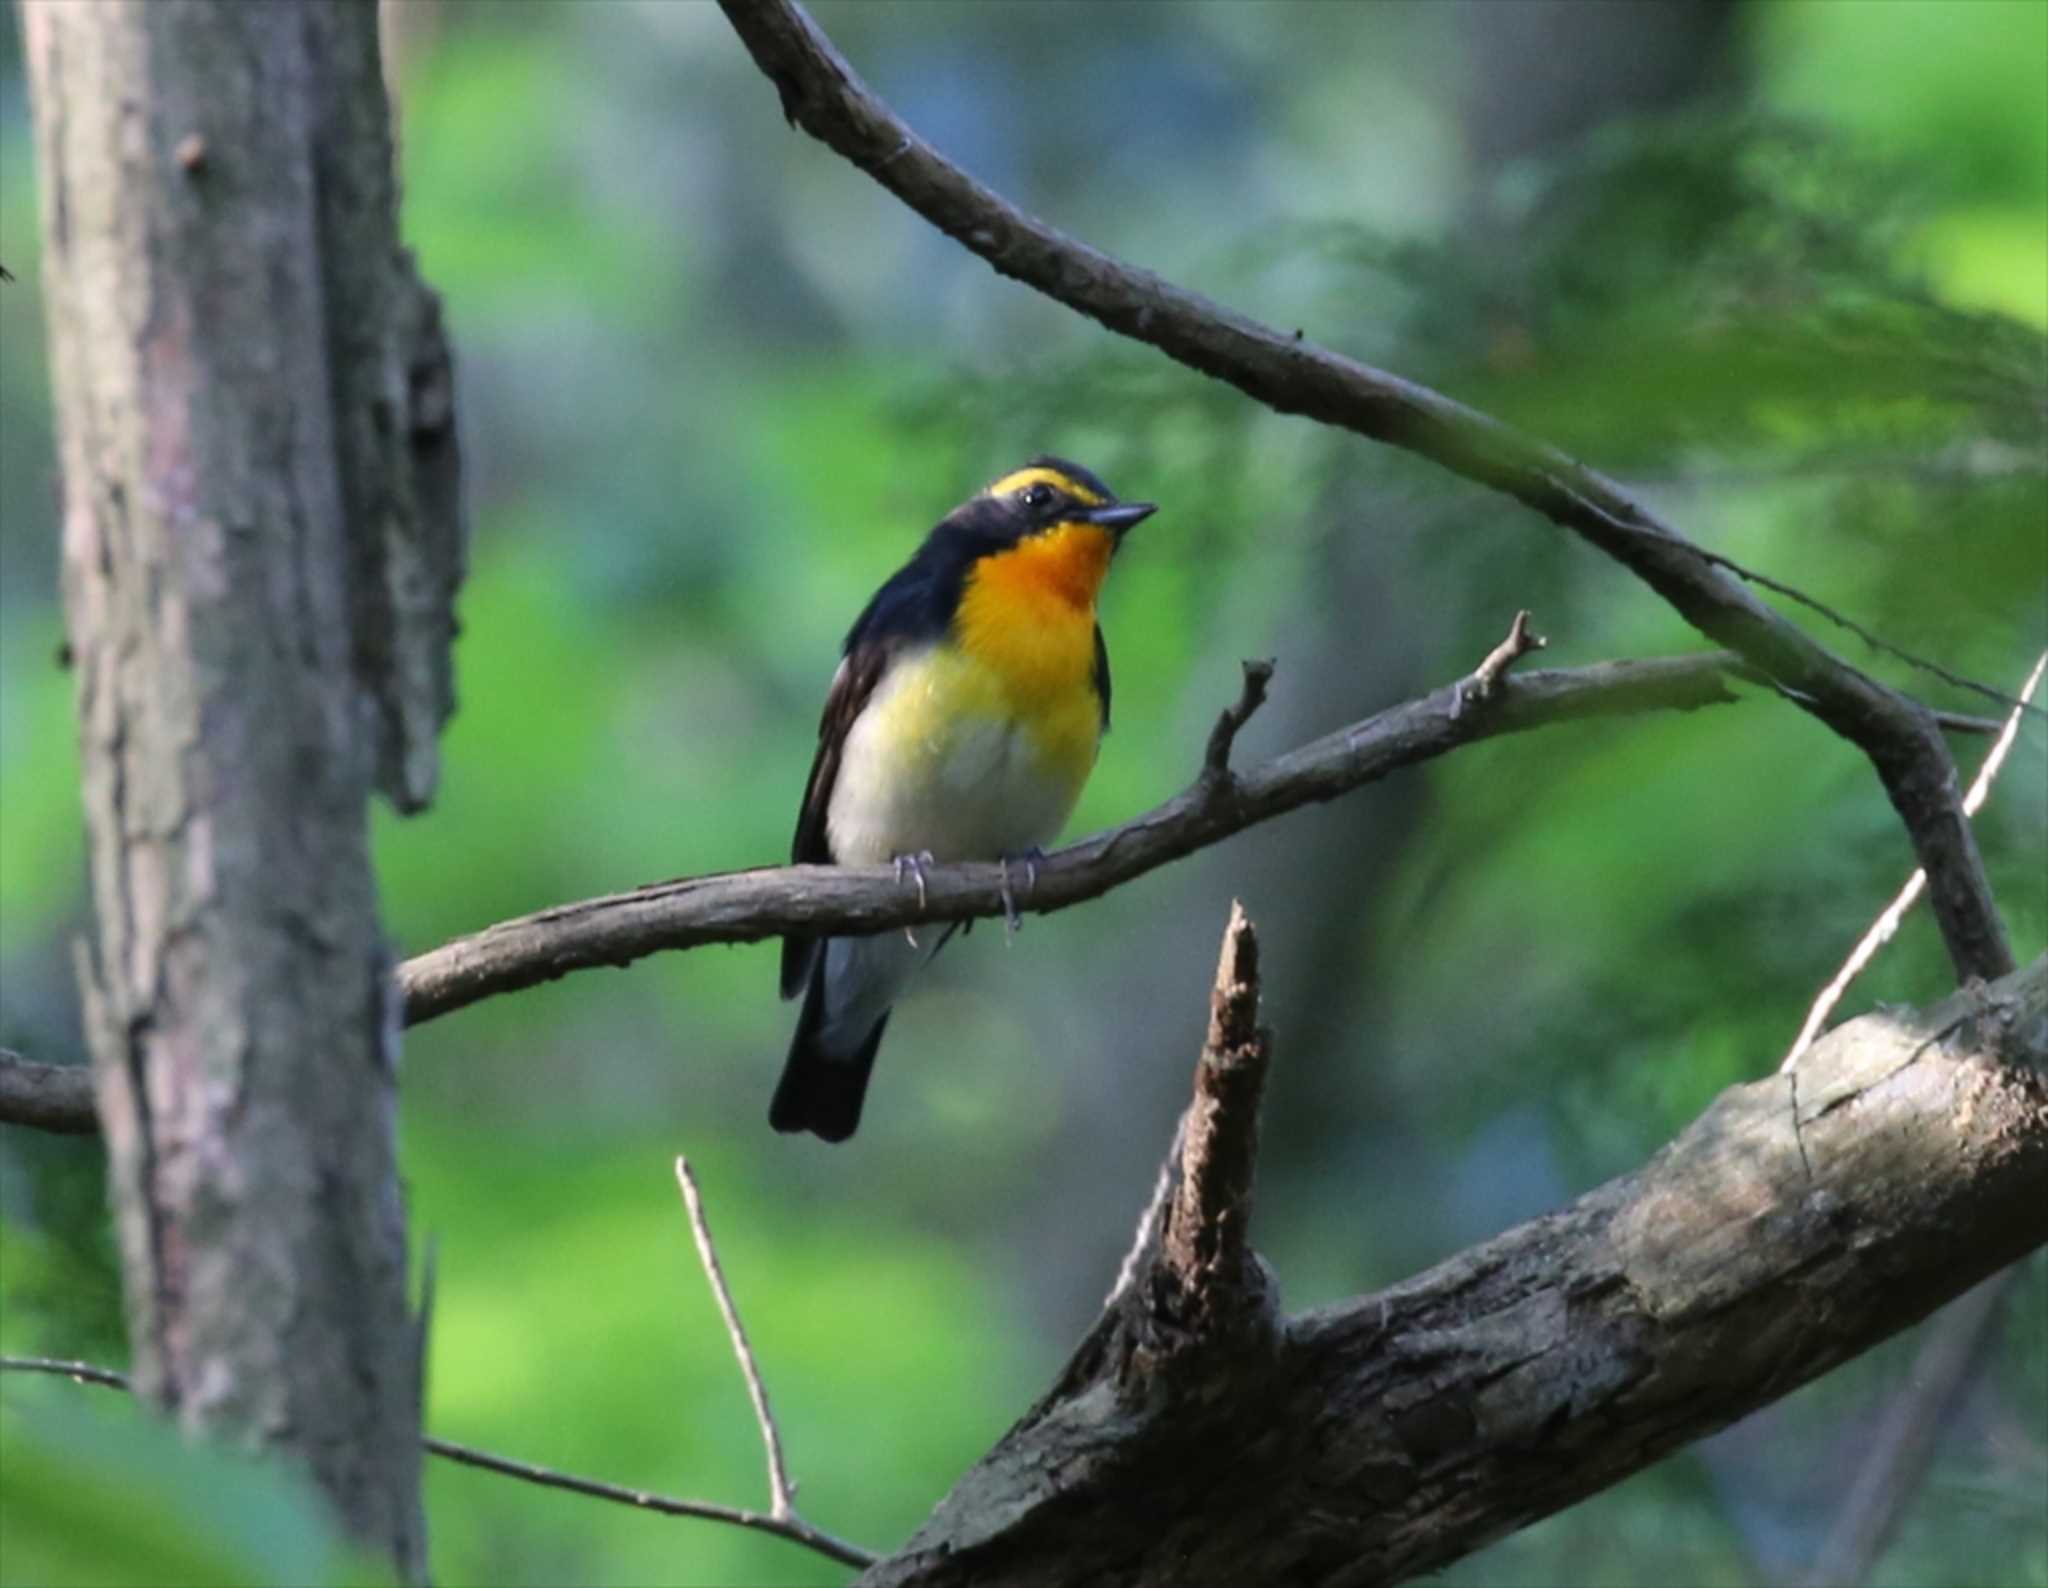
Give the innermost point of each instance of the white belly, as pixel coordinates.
(937, 761)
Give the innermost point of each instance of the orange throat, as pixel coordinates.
(1029, 612)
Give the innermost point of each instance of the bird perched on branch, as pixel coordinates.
(962, 722)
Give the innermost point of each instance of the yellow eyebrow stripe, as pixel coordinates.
(1044, 476)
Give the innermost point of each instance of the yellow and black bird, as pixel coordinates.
(962, 722)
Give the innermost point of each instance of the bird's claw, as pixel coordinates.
(914, 866)
(1012, 918)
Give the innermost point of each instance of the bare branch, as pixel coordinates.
(1216, 759)
(1887, 923)
(780, 1491)
(1289, 374)
(54, 1097)
(1963, 722)
(795, 1530)
(792, 1528)
(77, 1372)
(744, 906)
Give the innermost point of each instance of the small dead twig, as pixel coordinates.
(791, 1528)
(1203, 1243)
(77, 1372)
(1484, 683)
(1882, 929)
(781, 1491)
(1216, 758)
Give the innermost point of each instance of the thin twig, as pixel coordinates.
(1876, 642)
(1485, 680)
(792, 1528)
(1963, 722)
(781, 1491)
(79, 1372)
(1216, 759)
(1887, 923)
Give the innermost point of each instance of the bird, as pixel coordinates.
(969, 704)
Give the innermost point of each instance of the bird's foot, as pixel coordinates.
(1029, 859)
(915, 867)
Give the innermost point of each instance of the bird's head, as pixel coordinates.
(1050, 526)
(1050, 494)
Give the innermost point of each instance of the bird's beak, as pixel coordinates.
(1120, 516)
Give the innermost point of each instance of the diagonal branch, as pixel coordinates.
(781, 1492)
(821, 93)
(744, 906)
(1887, 924)
(1386, 1436)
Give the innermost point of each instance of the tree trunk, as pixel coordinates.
(260, 551)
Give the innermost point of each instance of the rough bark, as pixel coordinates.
(260, 551)
(1798, 1222)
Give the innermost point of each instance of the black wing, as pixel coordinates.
(1100, 676)
(859, 671)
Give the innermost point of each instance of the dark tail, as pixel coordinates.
(821, 1091)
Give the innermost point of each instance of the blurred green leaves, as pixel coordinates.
(99, 1495)
(714, 387)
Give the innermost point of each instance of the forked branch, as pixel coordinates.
(781, 1519)
(1382, 1438)
(743, 906)
(822, 94)
(1887, 922)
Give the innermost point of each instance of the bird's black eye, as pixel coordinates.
(1035, 496)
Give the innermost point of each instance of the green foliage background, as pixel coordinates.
(715, 384)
